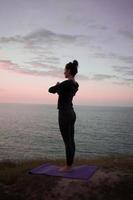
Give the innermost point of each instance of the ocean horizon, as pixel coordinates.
(30, 131)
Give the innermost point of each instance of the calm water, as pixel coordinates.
(31, 131)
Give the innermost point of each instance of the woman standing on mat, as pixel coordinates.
(67, 117)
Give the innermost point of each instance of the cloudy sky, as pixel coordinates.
(38, 37)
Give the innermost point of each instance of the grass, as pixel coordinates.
(16, 184)
(10, 170)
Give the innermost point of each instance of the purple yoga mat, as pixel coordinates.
(77, 172)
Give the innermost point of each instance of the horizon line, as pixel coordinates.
(89, 105)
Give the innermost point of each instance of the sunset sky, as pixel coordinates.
(38, 37)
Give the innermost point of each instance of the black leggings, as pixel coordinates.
(67, 120)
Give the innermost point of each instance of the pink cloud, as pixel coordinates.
(23, 88)
(18, 87)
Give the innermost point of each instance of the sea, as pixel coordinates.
(31, 131)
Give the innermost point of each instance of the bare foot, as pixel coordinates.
(65, 168)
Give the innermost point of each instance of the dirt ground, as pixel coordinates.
(106, 184)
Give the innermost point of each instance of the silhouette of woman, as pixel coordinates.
(66, 115)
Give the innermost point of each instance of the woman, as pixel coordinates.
(67, 117)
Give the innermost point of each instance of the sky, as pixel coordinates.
(38, 38)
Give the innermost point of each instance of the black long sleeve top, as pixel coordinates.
(66, 91)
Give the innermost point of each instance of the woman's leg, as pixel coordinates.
(72, 143)
(66, 124)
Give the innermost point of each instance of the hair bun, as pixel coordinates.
(75, 63)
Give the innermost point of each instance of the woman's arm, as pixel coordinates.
(55, 88)
(59, 87)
